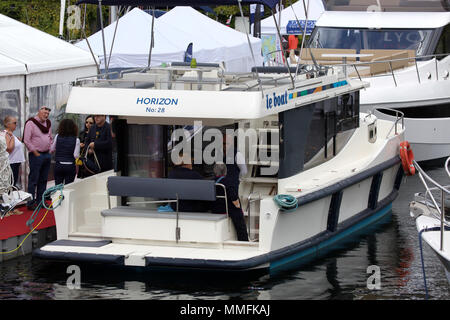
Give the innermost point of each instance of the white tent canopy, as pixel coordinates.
(44, 56)
(292, 13)
(36, 68)
(212, 41)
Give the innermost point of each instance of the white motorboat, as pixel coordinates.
(429, 210)
(322, 172)
(402, 50)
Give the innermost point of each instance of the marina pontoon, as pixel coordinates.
(307, 143)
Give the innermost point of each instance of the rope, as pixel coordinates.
(286, 202)
(47, 193)
(43, 218)
(421, 254)
(423, 266)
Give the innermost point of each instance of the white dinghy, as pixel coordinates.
(429, 209)
(318, 170)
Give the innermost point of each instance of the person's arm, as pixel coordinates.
(27, 138)
(105, 141)
(240, 161)
(76, 152)
(9, 141)
(233, 196)
(53, 146)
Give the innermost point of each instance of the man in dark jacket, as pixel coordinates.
(99, 139)
(183, 170)
(233, 203)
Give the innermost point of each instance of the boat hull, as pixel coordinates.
(274, 261)
(428, 137)
(433, 238)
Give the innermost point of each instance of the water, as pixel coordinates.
(392, 246)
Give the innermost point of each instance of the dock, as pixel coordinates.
(14, 231)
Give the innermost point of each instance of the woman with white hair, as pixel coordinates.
(234, 206)
(14, 147)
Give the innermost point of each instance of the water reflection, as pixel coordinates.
(342, 274)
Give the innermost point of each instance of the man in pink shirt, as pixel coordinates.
(37, 137)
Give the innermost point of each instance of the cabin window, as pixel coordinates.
(145, 155)
(360, 39)
(443, 45)
(315, 133)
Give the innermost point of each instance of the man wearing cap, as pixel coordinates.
(37, 136)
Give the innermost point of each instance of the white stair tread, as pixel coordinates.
(260, 180)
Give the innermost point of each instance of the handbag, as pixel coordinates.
(90, 164)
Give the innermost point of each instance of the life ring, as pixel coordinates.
(407, 157)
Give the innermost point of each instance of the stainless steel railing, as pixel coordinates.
(400, 116)
(444, 190)
(390, 61)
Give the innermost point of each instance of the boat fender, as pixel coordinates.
(407, 157)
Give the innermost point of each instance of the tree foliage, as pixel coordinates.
(45, 15)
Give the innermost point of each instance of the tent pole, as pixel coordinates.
(251, 50)
(114, 37)
(152, 39)
(304, 33)
(61, 18)
(103, 34)
(282, 50)
(83, 29)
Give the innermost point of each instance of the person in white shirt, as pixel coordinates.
(14, 147)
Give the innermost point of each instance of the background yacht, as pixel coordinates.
(401, 49)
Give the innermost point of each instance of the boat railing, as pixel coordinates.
(444, 190)
(399, 116)
(230, 79)
(250, 200)
(366, 64)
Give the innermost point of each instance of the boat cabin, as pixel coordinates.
(161, 113)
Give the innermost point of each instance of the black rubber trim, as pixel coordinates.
(73, 243)
(79, 257)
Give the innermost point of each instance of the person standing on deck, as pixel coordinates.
(37, 136)
(234, 160)
(233, 204)
(99, 139)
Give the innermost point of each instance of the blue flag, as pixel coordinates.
(188, 53)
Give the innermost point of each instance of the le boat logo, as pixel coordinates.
(157, 104)
(276, 100)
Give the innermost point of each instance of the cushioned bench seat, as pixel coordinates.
(134, 223)
(123, 211)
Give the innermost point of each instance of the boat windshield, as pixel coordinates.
(359, 39)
